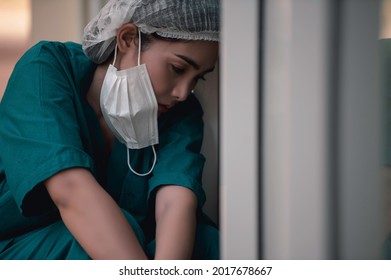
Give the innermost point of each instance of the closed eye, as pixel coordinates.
(178, 70)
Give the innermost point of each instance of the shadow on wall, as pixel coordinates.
(207, 93)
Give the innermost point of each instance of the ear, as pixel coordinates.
(127, 37)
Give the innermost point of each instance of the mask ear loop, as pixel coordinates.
(153, 164)
(115, 54)
(139, 47)
(153, 147)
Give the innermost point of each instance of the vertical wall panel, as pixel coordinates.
(360, 189)
(296, 77)
(322, 128)
(239, 129)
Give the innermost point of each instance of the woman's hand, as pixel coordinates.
(92, 216)
(175, 222)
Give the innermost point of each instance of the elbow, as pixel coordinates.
(175, 199)
(61, 193)
(66, 187)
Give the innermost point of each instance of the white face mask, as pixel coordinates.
(129, 107)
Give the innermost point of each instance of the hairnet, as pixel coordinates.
(179, 19)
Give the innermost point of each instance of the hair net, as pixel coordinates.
(180, 19)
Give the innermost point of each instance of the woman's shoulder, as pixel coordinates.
(54, 50)
(57, 46)
(66, 58)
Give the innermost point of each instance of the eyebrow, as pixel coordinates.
(192, 62)
(189, 61)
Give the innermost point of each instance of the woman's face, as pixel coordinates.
(175, 68)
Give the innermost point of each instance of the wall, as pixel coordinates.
(14, 35)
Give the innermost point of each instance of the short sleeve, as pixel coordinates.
(179, 161)
(39, 126)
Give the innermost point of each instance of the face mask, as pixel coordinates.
(129, 107)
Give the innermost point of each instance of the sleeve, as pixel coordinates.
(179, 161)
(39, 130)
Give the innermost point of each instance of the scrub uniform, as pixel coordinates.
(46, 126)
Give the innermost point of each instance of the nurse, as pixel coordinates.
(100, 143)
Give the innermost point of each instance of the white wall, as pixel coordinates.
(14, 36)
(239, 126)
(296, 76)
(57, 20)
(323, 194)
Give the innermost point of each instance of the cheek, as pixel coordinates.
(161, 82)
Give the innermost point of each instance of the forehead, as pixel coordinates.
(204, 53)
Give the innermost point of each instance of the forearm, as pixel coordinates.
(175, 224)
(101, 229)
(98, 224)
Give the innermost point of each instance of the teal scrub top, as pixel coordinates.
(46, 126)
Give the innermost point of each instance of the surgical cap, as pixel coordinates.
(178, 19)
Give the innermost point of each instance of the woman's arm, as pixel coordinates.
(92, 216)
(175, 222)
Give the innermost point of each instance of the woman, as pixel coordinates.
(100, 150)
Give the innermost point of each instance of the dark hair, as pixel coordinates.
(147, 39)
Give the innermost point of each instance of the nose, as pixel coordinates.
(181, 94)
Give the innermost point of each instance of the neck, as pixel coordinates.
(93, 98)
(93, 94)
